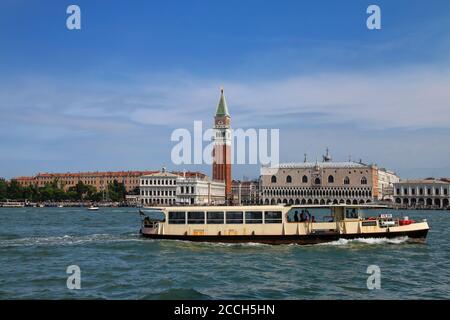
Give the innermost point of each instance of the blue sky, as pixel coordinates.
(108, 97)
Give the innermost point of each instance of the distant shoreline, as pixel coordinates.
(21, 204)
(85, 204)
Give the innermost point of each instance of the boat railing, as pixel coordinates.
(151, 224)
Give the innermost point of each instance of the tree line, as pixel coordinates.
(53, 191)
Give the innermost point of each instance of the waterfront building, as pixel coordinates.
(159, 188)
(221, 167)
(245, 192)
(325, 182)
(99, 180)
(386, 181)
(200, 191)
(423, 193)
(169, 188)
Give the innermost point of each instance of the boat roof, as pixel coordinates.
(262, 207)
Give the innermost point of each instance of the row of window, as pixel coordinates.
(437, 191)
(167, 192)
(187, 189)
(158, 193)
(422, 201)
(220, 217)
(315, 201)
(317, 180)
(159, 182)
(74, 181)
(158, 201)
(318, 192)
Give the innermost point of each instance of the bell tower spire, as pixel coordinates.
(222, 108)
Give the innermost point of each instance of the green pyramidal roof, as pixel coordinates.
(222, 109)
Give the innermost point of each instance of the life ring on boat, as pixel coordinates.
(406, 222)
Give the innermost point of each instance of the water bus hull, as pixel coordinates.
(418, 235)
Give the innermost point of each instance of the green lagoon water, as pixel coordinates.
(38, 244)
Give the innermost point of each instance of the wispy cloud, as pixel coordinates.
(406, 98)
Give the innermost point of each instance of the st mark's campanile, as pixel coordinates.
(222, 145)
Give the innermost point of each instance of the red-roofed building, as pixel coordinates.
(97, 179)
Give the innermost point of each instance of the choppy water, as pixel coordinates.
(38, 244)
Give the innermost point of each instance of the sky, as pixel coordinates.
(109, 96)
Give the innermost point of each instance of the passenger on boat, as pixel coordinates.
(308, 215)
(303, 216)
(352, 214)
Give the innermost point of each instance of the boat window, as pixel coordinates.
(177, 217)
(234, 217)
(215, 217)
(196, 217)
(306, 214)
(253, 217)
(351, 213)
(272, 217)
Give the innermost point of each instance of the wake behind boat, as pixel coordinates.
(277, 224)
